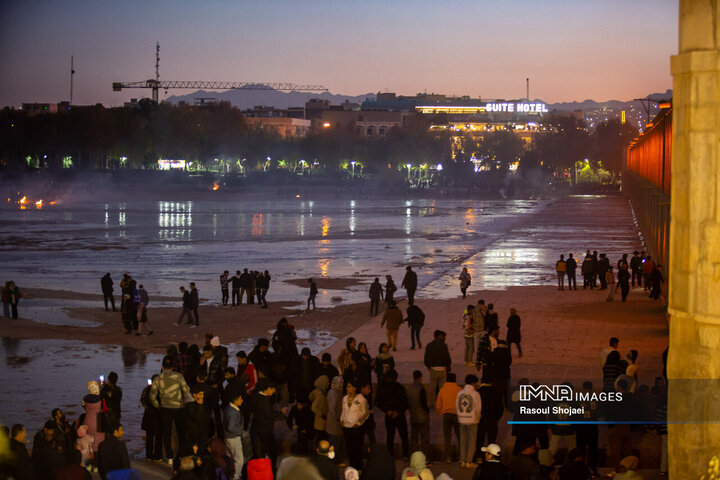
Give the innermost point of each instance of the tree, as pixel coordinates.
(566, 143)
(499, 149)
(610, 140)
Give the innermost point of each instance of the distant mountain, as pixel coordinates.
(245, 99)
(614, 104)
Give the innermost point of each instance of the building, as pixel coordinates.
(36, 108)
(283, 126)
(365, 123)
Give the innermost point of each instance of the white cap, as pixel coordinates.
(493, 449)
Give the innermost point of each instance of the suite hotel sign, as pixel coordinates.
(516, 107)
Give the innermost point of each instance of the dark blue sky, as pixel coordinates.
(571, 50)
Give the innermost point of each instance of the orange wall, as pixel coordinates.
(650, 155)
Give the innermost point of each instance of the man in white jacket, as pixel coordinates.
(468, 412)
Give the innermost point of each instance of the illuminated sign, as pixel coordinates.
(450, 109)
(516, 107)
(171, 164)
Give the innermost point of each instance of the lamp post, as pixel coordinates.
(353, 168)
(408, 165)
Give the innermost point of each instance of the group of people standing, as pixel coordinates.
(247, 284)
(378, 293)
(597, 268)
(133, 303)
(65, 450)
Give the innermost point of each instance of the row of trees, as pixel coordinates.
(219, 138)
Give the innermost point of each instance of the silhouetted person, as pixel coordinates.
(106, 284)
(409, 283)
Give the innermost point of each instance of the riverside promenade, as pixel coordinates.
(563, 332)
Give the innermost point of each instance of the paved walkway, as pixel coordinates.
(563, 331)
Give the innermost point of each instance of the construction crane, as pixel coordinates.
(155, 84)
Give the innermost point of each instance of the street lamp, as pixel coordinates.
(353, 168)
(408, 165)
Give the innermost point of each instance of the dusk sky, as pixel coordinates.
(571, 50)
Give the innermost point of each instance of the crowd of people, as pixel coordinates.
(597, 268)
(211, 419)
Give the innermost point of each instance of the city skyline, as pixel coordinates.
(594, 50)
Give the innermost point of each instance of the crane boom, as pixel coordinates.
(156, 85)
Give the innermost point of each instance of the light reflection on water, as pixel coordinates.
(161, 243)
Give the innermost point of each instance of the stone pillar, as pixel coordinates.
(694, 357)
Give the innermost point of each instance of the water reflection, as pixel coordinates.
(470, 216)
(324, 265)
(10, 345)
(514, 256)
(131, 356)
(325, 222)
(257, 225)
(174, 220)
(352, 220)
(301, 225)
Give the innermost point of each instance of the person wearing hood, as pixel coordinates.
(380, 465)
(258, 469)
(418, 468)
(468, 406)
(319, 406)
(92, 403)
(332, 423)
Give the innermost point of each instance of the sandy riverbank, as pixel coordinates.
(563, 331)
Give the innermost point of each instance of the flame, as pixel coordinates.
(52, 203)
(23, 200)
(39, 203)
(216, 185)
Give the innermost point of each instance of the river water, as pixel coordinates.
(165, 244)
